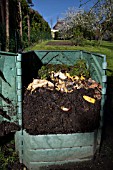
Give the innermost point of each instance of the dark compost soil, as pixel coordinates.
(59, 43)
(8, 127)
(42, 113)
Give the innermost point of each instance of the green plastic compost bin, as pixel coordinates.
(10, 87)
(38, 151)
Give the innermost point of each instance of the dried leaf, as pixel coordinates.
(94, 85)
(39, 83)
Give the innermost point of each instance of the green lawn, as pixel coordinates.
(91, 46)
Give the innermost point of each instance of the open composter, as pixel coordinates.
(62, 111)
(57, 103)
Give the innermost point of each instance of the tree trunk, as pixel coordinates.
(20, 13)
(7, 25)
(28, 24)
(2, 12)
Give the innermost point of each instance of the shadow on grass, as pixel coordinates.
(110, 47)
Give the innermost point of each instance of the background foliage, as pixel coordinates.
(95, 23)
(39, 28)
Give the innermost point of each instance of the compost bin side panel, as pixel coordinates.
(97, 65)
(53, 141)
(43, 150)
(52, 148)
(58, 57)
(8, 85)
(54, 155)
(19, 145)
(19, 88)
(44, 165)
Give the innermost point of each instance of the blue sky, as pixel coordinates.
(53, 9)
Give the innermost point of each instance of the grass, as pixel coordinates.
(91, 46)
(8, 155)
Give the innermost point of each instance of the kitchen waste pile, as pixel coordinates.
(63, 99)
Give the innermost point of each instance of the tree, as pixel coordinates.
(95, 21)
(17, 28)
(20, 13)
(28, 24)
(77, 23)
(103, 10)
(2, 11)
(7, 25)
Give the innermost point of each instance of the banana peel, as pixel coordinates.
(89, 99)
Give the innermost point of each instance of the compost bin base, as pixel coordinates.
(42, 113)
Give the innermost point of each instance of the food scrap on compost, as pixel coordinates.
(64, 82)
